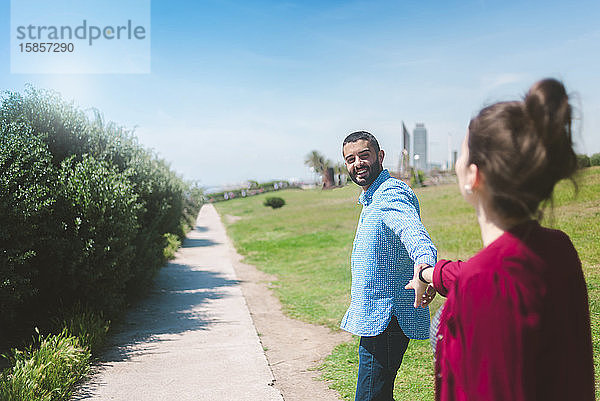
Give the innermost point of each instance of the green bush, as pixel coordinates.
(595, 159)
(86, 211)
(99, 212)
(28, 192)
(274, 202)
(583, 161)
(88, 217)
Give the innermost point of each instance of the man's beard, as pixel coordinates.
(374, 172)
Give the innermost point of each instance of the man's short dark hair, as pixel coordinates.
(364, 135)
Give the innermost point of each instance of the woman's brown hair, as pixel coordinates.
(523, 148)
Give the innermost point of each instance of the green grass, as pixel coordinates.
(413, 382)
(52, 365)
(91, 328)
(307, 245)
(47, 371)
(173, 244)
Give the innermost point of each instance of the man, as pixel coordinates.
(390, 245)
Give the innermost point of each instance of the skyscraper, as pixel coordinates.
(405, 138)
(404, 160)
(420, 146)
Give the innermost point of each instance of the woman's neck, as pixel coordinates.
(491, 224)
(490, 229)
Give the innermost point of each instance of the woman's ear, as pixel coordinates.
(474, 177)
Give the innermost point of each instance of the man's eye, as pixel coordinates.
(350, 160)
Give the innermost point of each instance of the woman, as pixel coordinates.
(516, 322)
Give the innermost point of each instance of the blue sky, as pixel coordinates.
(245, 89)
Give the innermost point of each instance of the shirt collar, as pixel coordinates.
(366, 196)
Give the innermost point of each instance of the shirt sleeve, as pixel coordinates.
(445, 274)
(496, 329)
(402, 217)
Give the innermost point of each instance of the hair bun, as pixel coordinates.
(547, 104)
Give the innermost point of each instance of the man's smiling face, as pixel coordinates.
(363, 162)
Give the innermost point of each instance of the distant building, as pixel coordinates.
(420, 147)
(404, 160)
(405, 138)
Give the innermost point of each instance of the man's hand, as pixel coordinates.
(424, 293)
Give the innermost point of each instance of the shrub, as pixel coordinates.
(27, 198)
(86, 211)
(274, 201)
(595, 159)
(94, 252)
(583, 161)
(62, 127)
(88, 216)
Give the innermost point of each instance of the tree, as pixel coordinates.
(320, 165)
(317, 161)
(583, 161)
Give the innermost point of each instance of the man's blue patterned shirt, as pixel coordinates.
(390, 239)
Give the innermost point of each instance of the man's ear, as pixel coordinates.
(381, 156)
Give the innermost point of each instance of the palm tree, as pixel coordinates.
(317, 161)
(320, 165)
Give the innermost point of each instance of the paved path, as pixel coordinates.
(192, 338)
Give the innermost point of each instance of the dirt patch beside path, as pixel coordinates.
(293, 348)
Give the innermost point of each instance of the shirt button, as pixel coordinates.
(440, 337)
(439, 375)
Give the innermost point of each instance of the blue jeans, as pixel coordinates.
(379, 360)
